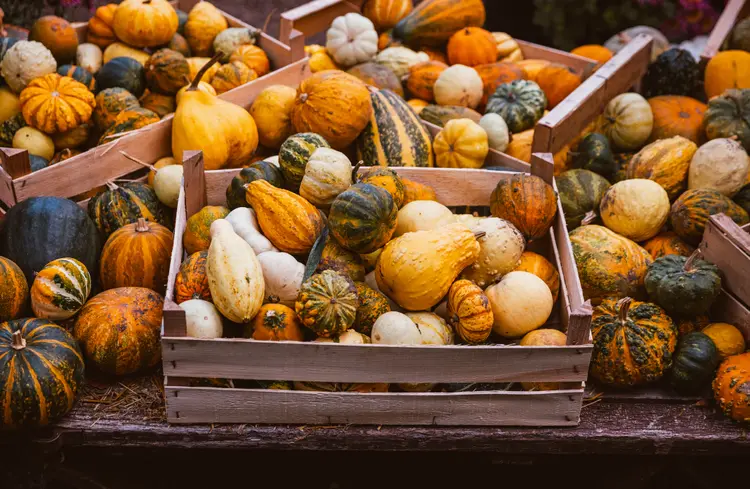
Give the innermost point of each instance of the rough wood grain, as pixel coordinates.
(723, 28)
(728, 309)
(174, 322)
(314, 17)
(727, 246)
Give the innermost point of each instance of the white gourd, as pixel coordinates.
(328, 173)
(283, 276)
(89, 57)
(24, 61)
(720, 164)
(500, 251)
(433, 328)
(203, 320)
(422, 215)
(399, 59)
(459, 85)
(395, 328)
(521, 302)
(352, 39)
(497, 131)
(167, 182)
(274, 160)
(245, 224)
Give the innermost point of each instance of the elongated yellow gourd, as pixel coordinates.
(235, 276)
(225, 132)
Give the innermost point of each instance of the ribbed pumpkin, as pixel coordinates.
(261, 170)
(363, 218)
(691, 211)
(676, 115)
(129, 120)
(54, 103)
(580, 193)
(271, 111)
(124, 204)
(145, 23)
(495, 74)
(378, 76)
(433, 22)
(627, 121)
(334, 257)
(293, 156)
(372, 305)
(167, 71)
(389, 180)
(100, 30)
(385, 14)
(727, 69)
(462, 143)
(472, 46)
(253, 57)
(469, 312)
(726, 116)
(609, 265)
(633, 342)
(557, 81)
(334, 105)
(520, 103)
(41, 370)
(158, 103)
(137, 255)
(527, 202)
(276, 322)
(290, 222)
(417, 191)
(60, 289)
(122, 72)
(197, 236)
(422, 77)
(732, 387)
(394, 136)
(541, 267)
(667, 243)
(109, 103)
(191, 281)
(327, 303)
(119, 330)
(232, 75)
(14, 290)
(79, 74)
(666, 162)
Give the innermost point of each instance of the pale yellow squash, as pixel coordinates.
(636, 209)
(462, 143)
(422, 215)
(521, 302)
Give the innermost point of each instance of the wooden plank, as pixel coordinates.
(543, 166)
(727, 246)
(174, 322)
(7, 193)
(291, 75)
(314, 17)
(727, 309)
(515, 408)
(584, 67)
(456, 186)
(217, 182)
(195, 182)
(15, 162)
(722, 29)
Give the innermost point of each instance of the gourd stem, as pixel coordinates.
(141, 226)
(111, 186)
(18, 342)
(274, 299)
(136, 160)
(480, 234)
(194, 84)
(623, 306)
(691, 260)
(588, 218)
(355, 171)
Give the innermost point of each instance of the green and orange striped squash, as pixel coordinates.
(527, 202)
(129, 120)
(41, 370)
(125, 203)
(327, 303)
(109, 103)
(667, 243)
(389, 180)
(690, 213)
(167, 71)
(433, 22)
(334, 257)
(158, 103)
(60, 289)
(78, 74)
(363, 218)
(14, 290)
(197, 236)
(191, 281)
(372, 305)
(119, 330)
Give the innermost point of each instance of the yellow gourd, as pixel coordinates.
(461, 144)
(417, 269)
(202, 86)
(727, 338)
(203, 25)
(543, 337)
(9, 104)
(225, 132)
(272, 112)
(35, 142)
(521, 302)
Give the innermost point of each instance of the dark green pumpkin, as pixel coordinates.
(261, 170)
(41, 370)
(294, 154)
(394, 136)
(728, 115)
(5, 44)
(520, 103)
(182, 18)
(9, 128)
(124, 204)
(742, 198)
(622, 160)
(166, 71)
(37, 162)
(593, 153)
(109, 103)
(580, 192)
(691, 210)
(180, 44)
(335, 257)
(673, 72)
(694, 363)
(122, 72)
(683, 286)
(363, 218)
(79, 74)
(42, 229)
(129, 120)
(441, 114)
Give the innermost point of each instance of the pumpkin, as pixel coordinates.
(128, 120)
(532, 67)
(727, 338)
(520, 302)
(597, 52)
(120, 50)
(441, 114)
(137, 255)
(378, 76)
(363, 218)
(25, 61)
(417, 269)
(498, 135)
(334, 257)
(119, 330)
(667, 243)
(385, 14)
(691, 211)
(122, 72)
(109, 103)
(527, 202)
(507, 48)
(319, 58)
(520, 103)
(557, 81)
(202, 320)
(283, 276)
(158, 103)
(89, 57)
(688, 325)
(725, 116)
(541, 267)
(417, 191)
(673, 72)
(196, 63)
(422, 215)
(79, 74)
(372, 305)
(145, 23)
(60, 289)
(433, 22)
(666, 162)
(261, 170)
(495, 74)
(276, 322)
(352, 39)
(636, 209)
(609, 265)
(166, 71)
(334, 105)
(633, 342)
(42, 370)
(627, 121)
(459, 85)
(469, 312)
(389, 180)
(197, 236)
(231, 76)
(727, 69)
(472, 46)
(271, 111)
(289, 221)
(731, 387)
(55, 103)
(462, 143)
(580, 193)
(100, 30)
(253, 57)
(720, 164)
(39, 230)
(395, 328)
(400, 59)
(180, 45)
(422, 77)
(14, 290)
(593, 153)
(125, 204)
(676, 115)
(191, 281)
(294, 154)
(35, 142)
(394, 136)
(9, 128)
(683, 286)
(327, 303)
(204, 23)
(57, 35)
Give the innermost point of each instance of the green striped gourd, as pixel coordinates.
(363, 218)
(60, 290)
(293, 156)
(580, 192)
(123, 204)
(520, 103)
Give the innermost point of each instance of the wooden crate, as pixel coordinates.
(104, 163)
(735, 10)
(185, 358)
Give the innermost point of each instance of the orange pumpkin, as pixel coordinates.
(728, 69)
(598, 53)
(54, 103)
(232, 75)
(732, 387)
(253, 57)
(542, 268)
(676, 115)
(14, 290)
(417, 191)
(495, 74)
(58, 36)
(472, 46)
(100, 30)
(435, 54)
(277, 322)
(197, 236)
(557, 81)
(533, 67)
(422, 78)
(191, 281)
(527, 202)
(667, 243)
(385, 14)
(417, 104)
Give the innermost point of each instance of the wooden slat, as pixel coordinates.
(174, 322)
(214, 405)
(727, 246)
(580, 65)
(7, 193)
(195, 182)
(723, 28)
(727, 309)
(314, 17)
(291, 75)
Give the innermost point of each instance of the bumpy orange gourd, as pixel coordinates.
(597, 52)
(495, 74)
(732, 387)
(197, 236)
(253, 57)
(469, 312)
(145, 23)
(417, 191)
(557, 81)
(422, 78)
(191, 281)
(675, 115)
(462, 143)
(385, 14)
(203, 24)
(541, 267)
(728, 69)
(527, 202)
(667, 243)
(100, 30)
(472, 46)
(232, 75)
(14, 290)
(277, 322)
(54, 103)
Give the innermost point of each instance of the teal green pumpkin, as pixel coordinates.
(520, 103)
(742, 198)
(580, 193)
(37, 162)
(294, 154)
(728, 115)
(8, 129)
(593, 153)
(5, 44)
(122, 72)
(694, 363)
(124, 204)
(684, 287)
(363, 218)
(79, 74)
(261, 170)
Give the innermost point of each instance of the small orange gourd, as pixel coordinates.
(422, 78)
(469, 312)
(557, 81)
(276, 322)
(472, 46)
(253, 57)
(527, 202)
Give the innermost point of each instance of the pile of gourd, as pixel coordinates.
(306, 249)
(647, 175)
(55, 109)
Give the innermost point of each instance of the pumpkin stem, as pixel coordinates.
(480, 234)
(355, 171)
(194, 84)
(303, 97)
(588, 218)
(691, 260)
(141, 226)
(273, 299)
(111, 186)
(136, 160)
(18, 342)
(623, 306)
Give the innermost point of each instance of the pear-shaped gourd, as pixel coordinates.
(417, 269)
(235, 276)
(225, 132)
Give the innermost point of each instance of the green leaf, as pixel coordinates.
(316, 253)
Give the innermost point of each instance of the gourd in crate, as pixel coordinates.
(327, 174)
(471, 46)
(122, 72)
(500, 251)
(459, 85)
(327, 303)
(229, 40)
(294, 154)
(24, 62)
(109, 103)
(271, 111)
(232, 75)
(79, 74)
(372, 305)
(665, 161)
(191, 281)
(580, 193)
(667, 243)
(388, 180)
(543, 337)
(417, 191)
(89, 57)
(253, 57)
(636, 209)
(421, 79)
(684, 287)
(202, 319)
(521, 302)
(245, 224)
(179, 44)
(166, 71)
(520, 103)
(422, 215)
(14, 290)
(462, 143)
(724, 116)
(276, 322)
(55, 103)
(60, 289)
(690, 213)
(145, 23)
(727, 338)
(400, 59)
(470, 312)
(334, 257)
(527, 202)
(283, 276)
(627, 121)
(720, 164)
(203, 24)
(385, 14)
(125, 203)
(593, 153)
(676, 115)
(433, 22)
(541, 267)
(363, 218)
(674, 72)
(261, 170)
(197, 236)
(100, 31)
